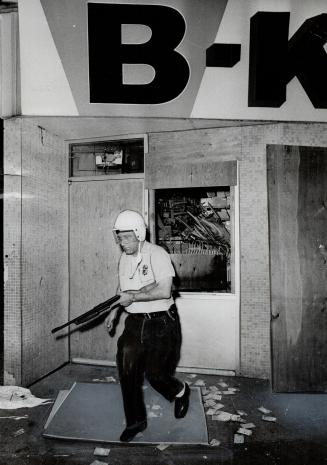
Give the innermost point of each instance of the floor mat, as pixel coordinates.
(94, 412)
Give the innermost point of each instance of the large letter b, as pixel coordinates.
(107, 53)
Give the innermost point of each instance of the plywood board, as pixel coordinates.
(94, 255)
(297, 186)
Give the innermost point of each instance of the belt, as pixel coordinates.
(150, 316)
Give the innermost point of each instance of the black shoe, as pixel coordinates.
(182, 403)
(131, 431)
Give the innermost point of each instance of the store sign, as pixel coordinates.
(198, 58)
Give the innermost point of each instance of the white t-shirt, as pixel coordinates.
(152, 265)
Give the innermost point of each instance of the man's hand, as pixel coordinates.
(126, 298)
(109, 322)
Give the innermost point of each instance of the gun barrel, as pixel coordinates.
(89, 314)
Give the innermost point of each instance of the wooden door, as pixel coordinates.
(297, 188)
(94, 206)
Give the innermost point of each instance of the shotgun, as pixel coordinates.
(90, 314)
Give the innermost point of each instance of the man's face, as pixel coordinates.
(128, 242)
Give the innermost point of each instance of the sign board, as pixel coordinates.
(225, 59)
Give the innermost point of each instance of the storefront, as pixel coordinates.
(220, 175)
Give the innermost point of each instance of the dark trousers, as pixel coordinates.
(151, 348)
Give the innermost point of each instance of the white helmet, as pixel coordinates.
(129, 220)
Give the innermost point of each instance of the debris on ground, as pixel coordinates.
(214, 410)
(154, 415)
(264, 410)
(13, 417)
(248, 425)
(213, 388)
(19, 432)
(238, 438)
(209, 403)
(241, 412)
(199, 382)
(222, 416)
(97, 462)
(204, 391)
(267, 418)
(214, 442)
(156, 407)
(244, 431)
(107, 379)
(228, 393)
(192, 375)
(223, 384)
(14, 397)
(101, 451)
(162, 446)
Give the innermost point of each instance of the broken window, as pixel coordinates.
(107, 157)
(194, 226)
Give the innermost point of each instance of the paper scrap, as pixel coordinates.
(248, 425)
(214, 410)
(222, 416)
(210, 403)
(241, 412)
(236, 418)
(266, 418)
(228, 393)
(199, 382)
(14, 397)
(223, 384)
(192, 375)
(214, 442)
(162, 446)
(213, 388)
(110, 379)
(154, 415)
(156, 407)
(101, 451)
(97, 462)
(246, 432)
(264, 410)
(19, 432)
(13, 417)
(238, 439)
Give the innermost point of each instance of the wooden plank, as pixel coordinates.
(193, 158)
(94, 256)
(297, 186)
(160, 174)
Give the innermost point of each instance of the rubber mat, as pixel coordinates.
(94, 412)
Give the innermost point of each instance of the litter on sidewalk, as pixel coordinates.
(199, 382)
(14, 397)
(101, 451)
(238, 438)
(244, 431)
(19, 432)
(214, 442)
(162, 446)
(267, 418)
(248, 425)
(264, 410)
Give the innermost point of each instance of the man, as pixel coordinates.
(150, 343)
